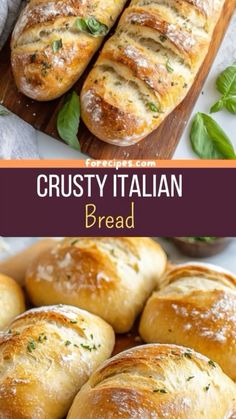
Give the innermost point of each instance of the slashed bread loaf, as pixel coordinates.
(196, 307)
(154, 382)
(53, 42)
(146, 69)
(46, 356)
(12, 300)
(108, 276)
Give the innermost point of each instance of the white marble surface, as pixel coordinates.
(52, 149)
(226, 259)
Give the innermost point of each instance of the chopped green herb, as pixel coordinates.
(91, 336)
(160, 390)
(31, 345)
(90, 348)
(42, 337)
(206, 388)
(212, 363)
(168, 67)
(190, 378)
(74, 242)
(188, 354)
(73, 321)
(86, 347)
(67, 343)
(56, 45)
(152, 107)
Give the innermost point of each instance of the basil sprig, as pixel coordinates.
(208, 139)
(226, 85)
(68, 120)
(91, 26)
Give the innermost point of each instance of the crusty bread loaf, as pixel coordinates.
(11, 300)
(154, 382)
(108, 276)
(197, 308)
(146, 69)
(45, 358)
(51, 45)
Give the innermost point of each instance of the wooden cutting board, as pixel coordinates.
(161, 144)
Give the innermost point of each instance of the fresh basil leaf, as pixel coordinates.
(230, 104)
(226, 82)
(91, 26)
(208, 140)
(96, 28)
(68, 121)
(4, 113)
(217, 106)
(56, 45)
(81, 25)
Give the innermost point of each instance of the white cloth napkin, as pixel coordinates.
(18, 139)
(11, 9)
(3, 14)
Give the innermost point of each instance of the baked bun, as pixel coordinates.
(108, 276)
(156, 381)
(11, 300)
(197, 308)
(45, 358)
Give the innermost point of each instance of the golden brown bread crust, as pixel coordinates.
(108, 276)
(12, 300)
(147, 67)
(156, 381)
(45, 357)
(195, 307)
(41, 72)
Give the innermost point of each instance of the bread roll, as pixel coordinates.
(11, 300)
(196, 308)
(108, 276)
(53, 42)
(146, 69)
(16, 265)
(154, 382)
(45, 358)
